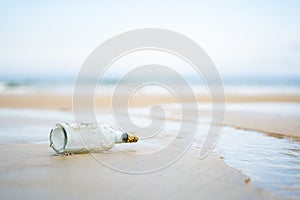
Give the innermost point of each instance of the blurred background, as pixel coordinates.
(252, 43)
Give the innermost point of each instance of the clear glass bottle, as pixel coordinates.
(85, 137)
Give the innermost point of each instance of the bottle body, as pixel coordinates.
(86, 137)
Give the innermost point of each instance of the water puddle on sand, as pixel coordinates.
(272, 163)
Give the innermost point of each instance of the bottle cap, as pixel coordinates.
(132, 137)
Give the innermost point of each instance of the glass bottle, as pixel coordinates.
(86, 137)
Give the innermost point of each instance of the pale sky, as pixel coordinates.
(250, 37)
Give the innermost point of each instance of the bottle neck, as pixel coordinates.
(121, 137)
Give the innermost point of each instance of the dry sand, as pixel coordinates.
(56, 101)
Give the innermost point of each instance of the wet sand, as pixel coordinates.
(33, 170)
(277, 123)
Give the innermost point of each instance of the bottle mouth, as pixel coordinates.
(58, 139)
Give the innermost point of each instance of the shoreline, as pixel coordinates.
(248, 116)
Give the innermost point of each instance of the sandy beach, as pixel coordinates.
(34, 171)
(241, 110)
(176, 100)
(38, 173)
